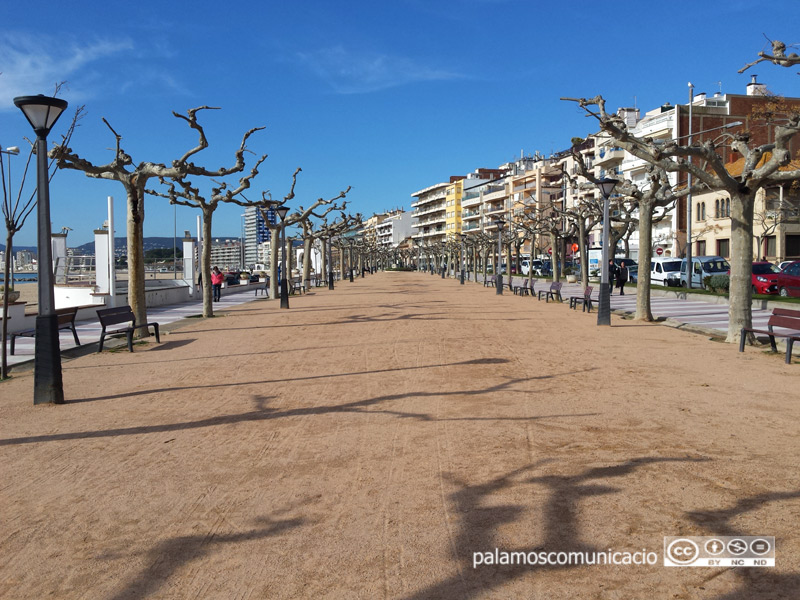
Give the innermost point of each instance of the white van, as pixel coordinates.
(526, 265)
(704, 266)
(665, 270)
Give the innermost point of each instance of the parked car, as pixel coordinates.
(633, 273)
(784, 264)
(665, 271)
(626, 261)
(789, 280)
(702, 267)
(536, 264)
(765, 278)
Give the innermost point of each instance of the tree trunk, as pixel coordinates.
(205, 263)
(643, 312)
(307, 261)
(274, 247)
(136, 271)
(554, 256)
(323, 265)
(740, 313)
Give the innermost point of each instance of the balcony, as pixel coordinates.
(608, 157)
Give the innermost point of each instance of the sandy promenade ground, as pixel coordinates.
(368, 441)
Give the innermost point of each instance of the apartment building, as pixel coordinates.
(256, 235)
(226, 254)
(715, 118)
(394, 228)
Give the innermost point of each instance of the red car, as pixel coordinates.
(789, 280)
(765, 278)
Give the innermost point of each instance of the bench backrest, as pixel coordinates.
(588, 291)
(66, 315)
(786, 312)
(115, 316)
(785, 321)
(556, 286)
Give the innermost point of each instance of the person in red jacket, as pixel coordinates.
(216, 282)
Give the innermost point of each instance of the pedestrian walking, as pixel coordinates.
(612, 273)
(216, 283)
(622, 278)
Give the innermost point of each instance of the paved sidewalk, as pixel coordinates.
(89, 330)
(698, 314)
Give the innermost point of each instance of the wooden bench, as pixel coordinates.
(66, 320)
(780, 317)
(585, 301)
(522, 289)
(490, 282)
(554, 292)
(121, 314)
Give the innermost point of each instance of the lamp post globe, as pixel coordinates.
(42, 112)
(606, 187)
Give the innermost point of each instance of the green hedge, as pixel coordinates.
(719, 283)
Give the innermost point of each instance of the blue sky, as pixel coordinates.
(387, 97)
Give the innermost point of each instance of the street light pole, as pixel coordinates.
(604, 306)
(498, 275)
(689, 198)
(284, 286)
(42, 113)
(461, 250)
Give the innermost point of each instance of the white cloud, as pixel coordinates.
(348, 73)
(34, 64)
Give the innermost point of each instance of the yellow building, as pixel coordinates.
(452, 204)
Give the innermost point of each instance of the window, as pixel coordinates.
(724, 248)
(728, 207)
(703, 211)
(716, 209)
(792, 246)
(770, 246)
(701, 248)
(697, 217)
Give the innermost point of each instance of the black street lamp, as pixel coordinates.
(606, 187)
(42, 113)
(461, 250)
(498, 275)
(284, 284)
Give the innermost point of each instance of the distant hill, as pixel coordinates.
(121, 245)
(18, 248)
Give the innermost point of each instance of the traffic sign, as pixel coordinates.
(549, 250)
(575, 247)
(659, 251)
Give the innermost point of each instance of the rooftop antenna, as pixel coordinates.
(634, 102)
(719, 83)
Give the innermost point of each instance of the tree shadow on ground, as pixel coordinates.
(164, 559)
(480, 518)
(754, 583)
(264, 413)
(295, 379)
